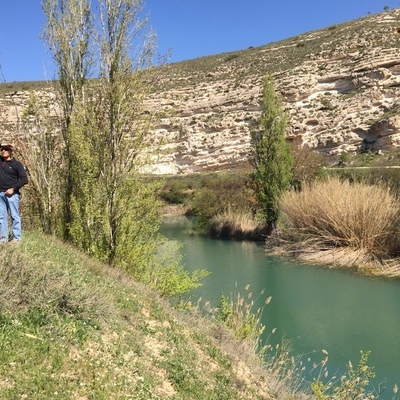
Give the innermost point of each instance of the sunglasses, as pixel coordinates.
(4, 149)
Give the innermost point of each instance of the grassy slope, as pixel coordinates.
(71, 328)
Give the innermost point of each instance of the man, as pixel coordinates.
(12, 177)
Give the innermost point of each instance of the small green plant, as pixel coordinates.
(351, 385)
(344, 158)
(238, 314)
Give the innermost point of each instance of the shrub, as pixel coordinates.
(307, 166)
(175, 191)
(390, 177)
(238, 314)
(217, 192)
(352, 385)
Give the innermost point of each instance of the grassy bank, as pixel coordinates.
(72, 328)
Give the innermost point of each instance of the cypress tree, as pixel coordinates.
(270, 155)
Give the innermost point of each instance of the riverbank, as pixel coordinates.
(343, 224)
(75, 328)
(314, 308)
(356, 261)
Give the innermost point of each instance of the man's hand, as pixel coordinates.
(9, 192)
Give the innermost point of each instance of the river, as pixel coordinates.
(315, 308)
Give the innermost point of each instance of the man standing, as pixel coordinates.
(12, 177)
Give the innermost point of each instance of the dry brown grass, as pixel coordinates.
(238, 224)
(334, 214)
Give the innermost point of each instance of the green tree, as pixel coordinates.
(40, 149)
(101, 120)
(68, 35)
(110, 209)
(110, 135)
(270, 155)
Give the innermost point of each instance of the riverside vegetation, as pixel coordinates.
(343, 217)
(74, 328)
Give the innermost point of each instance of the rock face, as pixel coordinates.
(339, 86)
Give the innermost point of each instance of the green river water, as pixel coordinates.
(315, 308)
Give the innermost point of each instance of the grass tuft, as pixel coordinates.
(339, 215)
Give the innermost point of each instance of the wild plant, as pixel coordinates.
(283, 371)
(236, 223)
(354, 384)
(340, 214)
(238, 314)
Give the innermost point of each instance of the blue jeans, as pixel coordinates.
(9, 204)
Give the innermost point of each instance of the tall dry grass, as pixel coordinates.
(237, 224)
(337, 214)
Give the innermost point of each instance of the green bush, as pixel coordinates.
(352, 385)
(176, 191)
(307, 166)
(208, 195)
(390, 177)
(217, 193)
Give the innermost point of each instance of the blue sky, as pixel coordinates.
(187, 28)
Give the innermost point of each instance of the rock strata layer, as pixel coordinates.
(339, 86)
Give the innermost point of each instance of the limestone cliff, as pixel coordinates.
(339, 85)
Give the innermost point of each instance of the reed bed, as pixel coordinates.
(238, 224)
(335, 214)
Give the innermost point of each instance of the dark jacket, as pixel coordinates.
(12, 175)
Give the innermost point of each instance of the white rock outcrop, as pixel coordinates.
(340, 87)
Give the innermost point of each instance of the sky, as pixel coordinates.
(186, 29)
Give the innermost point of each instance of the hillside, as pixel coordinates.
(72, 328)
(339, 85)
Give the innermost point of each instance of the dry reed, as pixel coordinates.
(339, 214)
(236, 223)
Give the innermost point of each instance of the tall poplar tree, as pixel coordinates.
(109, 211)
(103, 55)
(68, 34)
(270, 155)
